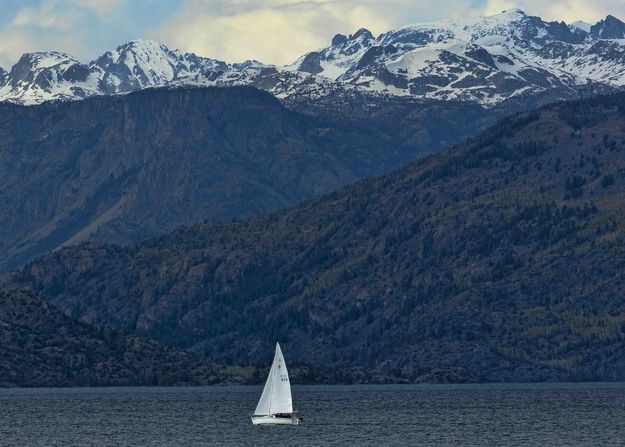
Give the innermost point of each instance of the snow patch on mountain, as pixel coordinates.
(482, 59)
(44, 76)
(581, 26)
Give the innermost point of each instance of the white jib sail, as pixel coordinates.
(276, 397)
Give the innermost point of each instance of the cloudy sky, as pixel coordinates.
(273, 31)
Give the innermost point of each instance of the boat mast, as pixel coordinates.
(271, 374)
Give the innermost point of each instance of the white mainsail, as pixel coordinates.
(276, 397)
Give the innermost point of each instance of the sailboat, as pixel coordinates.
(275, 405)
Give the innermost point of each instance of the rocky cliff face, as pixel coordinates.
(502, 257)
(39, 346)
(608, 28)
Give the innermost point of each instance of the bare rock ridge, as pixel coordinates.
(486, 60)
(609, 28)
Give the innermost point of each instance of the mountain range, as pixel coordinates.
(501, 257)
(432, 204)
(486, 60)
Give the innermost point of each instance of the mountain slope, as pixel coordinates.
(485, 60)
(503, 256)
(125, 167)
(39, 346)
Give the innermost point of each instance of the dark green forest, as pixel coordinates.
(42, 347)
(502, 257)
(122, 168)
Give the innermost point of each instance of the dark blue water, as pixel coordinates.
(466, 415)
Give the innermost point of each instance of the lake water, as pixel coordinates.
(403, 415)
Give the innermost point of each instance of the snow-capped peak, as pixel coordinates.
(31, 65)
(145, 63)
(481, 59)
(138, 63)
(484, 59)
(581, 25)
(251, 64)
(46, 59)
(42, 76)
(137, 49)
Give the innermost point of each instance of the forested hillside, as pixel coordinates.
(39, 346)
(121, 168)
(503, 256)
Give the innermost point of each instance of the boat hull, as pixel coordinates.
(272, 420)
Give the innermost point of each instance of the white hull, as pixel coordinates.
(272, 420)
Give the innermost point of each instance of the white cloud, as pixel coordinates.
(496, 6)
(13, 45)
(567, 10)
(62, 15)
(99, 6)
(46, 15)
(241, 31)
(65, 25)
(277, 31)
